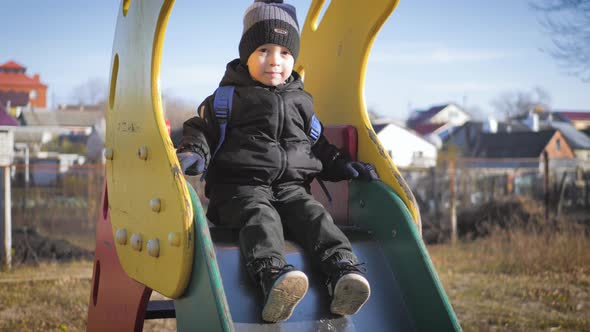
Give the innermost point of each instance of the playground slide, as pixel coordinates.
(159, 238)
(405, 294)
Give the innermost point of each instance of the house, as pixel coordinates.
(465, 138)
(578, 141)
(438, 122)
(6, 147)
(41, 126)
(580, 120)
(518, 158)
(75, 120)
(406, 147)
(516, 150)
(17, 89)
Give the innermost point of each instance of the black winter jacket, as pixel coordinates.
(267, 140)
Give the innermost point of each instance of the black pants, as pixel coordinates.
(261, 213)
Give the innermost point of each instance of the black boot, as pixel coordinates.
(348, 287)
(283, 287)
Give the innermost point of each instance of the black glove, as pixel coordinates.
(192, 163)
(361, 171)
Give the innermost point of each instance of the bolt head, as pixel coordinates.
(156, 204)
(136, 242)
(142, 153)
(153, 247)
(108, 153)
(121, 236)
(174, 239)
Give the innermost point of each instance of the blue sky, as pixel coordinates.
(429, 52)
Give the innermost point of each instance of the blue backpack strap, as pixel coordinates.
(222, 105)
(315, 129)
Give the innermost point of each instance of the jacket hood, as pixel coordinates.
(237, 74)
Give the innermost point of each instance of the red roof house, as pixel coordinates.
(579, 119)
(14, 82)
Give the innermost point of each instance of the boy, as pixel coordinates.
(260, 161)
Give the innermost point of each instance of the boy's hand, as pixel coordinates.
(192, 163)
(361, 171)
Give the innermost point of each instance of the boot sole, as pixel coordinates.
(286, 293)
(350, 293)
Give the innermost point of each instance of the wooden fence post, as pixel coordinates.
(5, 218)
(452, 201)
(546, 183)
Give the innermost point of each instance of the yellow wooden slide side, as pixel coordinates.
(333, 60)
(149, 205)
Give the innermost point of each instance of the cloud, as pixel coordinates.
(425, 54)
(454, 87)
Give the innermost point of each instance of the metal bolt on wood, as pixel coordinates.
(153, 247)
(121, 236)
(108, 153)
(156, 204)
(174, 239)
(142, 153)
(136, 242)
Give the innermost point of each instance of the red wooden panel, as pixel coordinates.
(117, 302)
(344, 137)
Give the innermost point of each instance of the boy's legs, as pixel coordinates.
(249, 209)
(261, 242)
(313, 227)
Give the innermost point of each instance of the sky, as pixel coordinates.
(428, 52)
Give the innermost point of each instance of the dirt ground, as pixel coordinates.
(31, 247)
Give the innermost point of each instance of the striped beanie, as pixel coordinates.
(269, 21)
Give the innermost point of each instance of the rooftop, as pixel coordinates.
(513, 145)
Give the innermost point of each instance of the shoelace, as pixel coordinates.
(268, 264)
(343, 268)
(359, 267)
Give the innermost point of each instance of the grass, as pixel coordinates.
(526, 279)
(53, 297)
(50, 297)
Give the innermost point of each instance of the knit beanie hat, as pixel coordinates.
(269, 21)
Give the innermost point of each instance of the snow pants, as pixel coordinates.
(264, 213)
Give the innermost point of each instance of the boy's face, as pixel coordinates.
(271, 64)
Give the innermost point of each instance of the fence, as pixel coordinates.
(65, 203)
(61, 203)
(465, 184)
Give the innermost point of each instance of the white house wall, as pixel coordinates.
(405, 148)
(451, 114)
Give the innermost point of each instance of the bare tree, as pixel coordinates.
(373, 114)
(569, 23)
(91, 92)
(476, 112)
(510, 104)
(177, 110)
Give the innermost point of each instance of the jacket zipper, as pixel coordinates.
(279, 133)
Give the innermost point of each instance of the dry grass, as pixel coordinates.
(53, 297)
(49, 297)
(524, 279)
